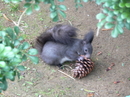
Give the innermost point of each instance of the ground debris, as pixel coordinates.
(115, 82)
(99, 53)
(110, 67)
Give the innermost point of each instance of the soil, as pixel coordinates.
(42, 80)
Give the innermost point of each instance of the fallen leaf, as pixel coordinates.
(90, 95)
(99, 53)
(116, 82)
(110, 67)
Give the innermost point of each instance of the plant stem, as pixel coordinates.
(98, 29)
(21, 17)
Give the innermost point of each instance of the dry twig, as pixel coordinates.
(6, 18)
(107, 29)
(66, 74)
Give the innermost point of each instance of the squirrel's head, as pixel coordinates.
(86, 46)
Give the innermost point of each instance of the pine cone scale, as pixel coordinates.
(82, 68)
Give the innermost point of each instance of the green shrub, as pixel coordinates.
(115, 13)
(13, 51)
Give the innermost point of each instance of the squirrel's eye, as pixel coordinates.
(86, 50)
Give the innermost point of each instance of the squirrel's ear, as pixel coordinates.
(84, 42)
(89, 37)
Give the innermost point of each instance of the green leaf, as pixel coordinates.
(115, 0)
(2, 47)
(15, 50)
(10, 75)
(98, 2)
(2, 64)
(2, 86)
(124, 15)
(18, 56)
(115, 7)
(78, 5)
(34, 59)
(2, 33)
(121, 4)
(16, 29)
(100, 24)
(121, 10)
(62, 7)
(5, 84)
(1, 76)
(128, 20)
(127, 25)
(7, 1)
(55, 19)
(25, 45)
(60, 0)
(38, 1)
(53, 7)
(20, 47)
(114, 33)
(77, 1)
(110, 19)
(29, 10)
(28, 1)
(36, 7)
(16, 60)
(24, 58)
(53, 14)
(127, 5)
(15, 1)
(62, 13)
(116, 12)
(109, 25)
(21, 68)
(46, 1)
(16, 42)
(32, 51)
(10, 55)
(105, 10)
(21, 38)
(85, 0)
(27, 5)
(6, 68)
(7, 41)
(11, 33)
(100, 16)
(119, 27)
(6, 51)
(119, 19)
(107, 4)
(110, 13)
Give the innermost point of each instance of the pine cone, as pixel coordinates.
(82, 68)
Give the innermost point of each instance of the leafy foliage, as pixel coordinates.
(115, 14)
(55, 9)
(13, 51)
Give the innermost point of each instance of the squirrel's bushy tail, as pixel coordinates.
(63, 34)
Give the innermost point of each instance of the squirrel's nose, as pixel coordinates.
(88, 55)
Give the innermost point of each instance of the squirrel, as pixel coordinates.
(60, 44)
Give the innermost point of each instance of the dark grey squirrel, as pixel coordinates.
(60, 44)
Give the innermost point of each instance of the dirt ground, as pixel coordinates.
(42, 80)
